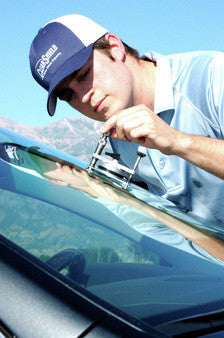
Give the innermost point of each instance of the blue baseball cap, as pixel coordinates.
(61, 47)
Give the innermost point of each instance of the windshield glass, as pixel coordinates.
(105, 240)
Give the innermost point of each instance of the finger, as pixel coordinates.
(140, 135)
(59, 165)
(68, 168)
(125, 127)
(114, 134)
(126, 122)
(112, 121)
(109, 124)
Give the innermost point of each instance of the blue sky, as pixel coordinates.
(166, 26)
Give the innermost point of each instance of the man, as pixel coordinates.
(173, 105)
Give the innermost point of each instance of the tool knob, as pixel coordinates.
(113, 155)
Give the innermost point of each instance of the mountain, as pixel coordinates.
(77, 136)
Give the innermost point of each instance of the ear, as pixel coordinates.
(117, 48)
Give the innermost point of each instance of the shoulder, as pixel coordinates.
(195, 69)
(201, 61)
(199, 77)
(197, 56)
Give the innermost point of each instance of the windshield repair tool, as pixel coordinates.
(100, 146)
(140, 154)
(112, 168)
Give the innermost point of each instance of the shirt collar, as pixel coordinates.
(164, 92)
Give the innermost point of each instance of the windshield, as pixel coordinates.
(103, 239)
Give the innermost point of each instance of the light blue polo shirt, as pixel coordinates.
(190, 97)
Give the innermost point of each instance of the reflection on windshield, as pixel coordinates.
(115, 199)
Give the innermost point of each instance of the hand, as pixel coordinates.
(79, 179)
(141, 125)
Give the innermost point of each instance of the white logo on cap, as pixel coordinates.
(46, 60)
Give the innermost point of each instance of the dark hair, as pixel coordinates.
(104, 45)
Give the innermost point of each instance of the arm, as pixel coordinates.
(141, 125)
(204, 152)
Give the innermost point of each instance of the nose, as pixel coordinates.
(85, 96)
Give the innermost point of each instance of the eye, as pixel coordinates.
(66, 94)
(84, 75)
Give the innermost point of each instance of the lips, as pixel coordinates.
(100, 105)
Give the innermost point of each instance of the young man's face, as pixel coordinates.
(100, 88)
